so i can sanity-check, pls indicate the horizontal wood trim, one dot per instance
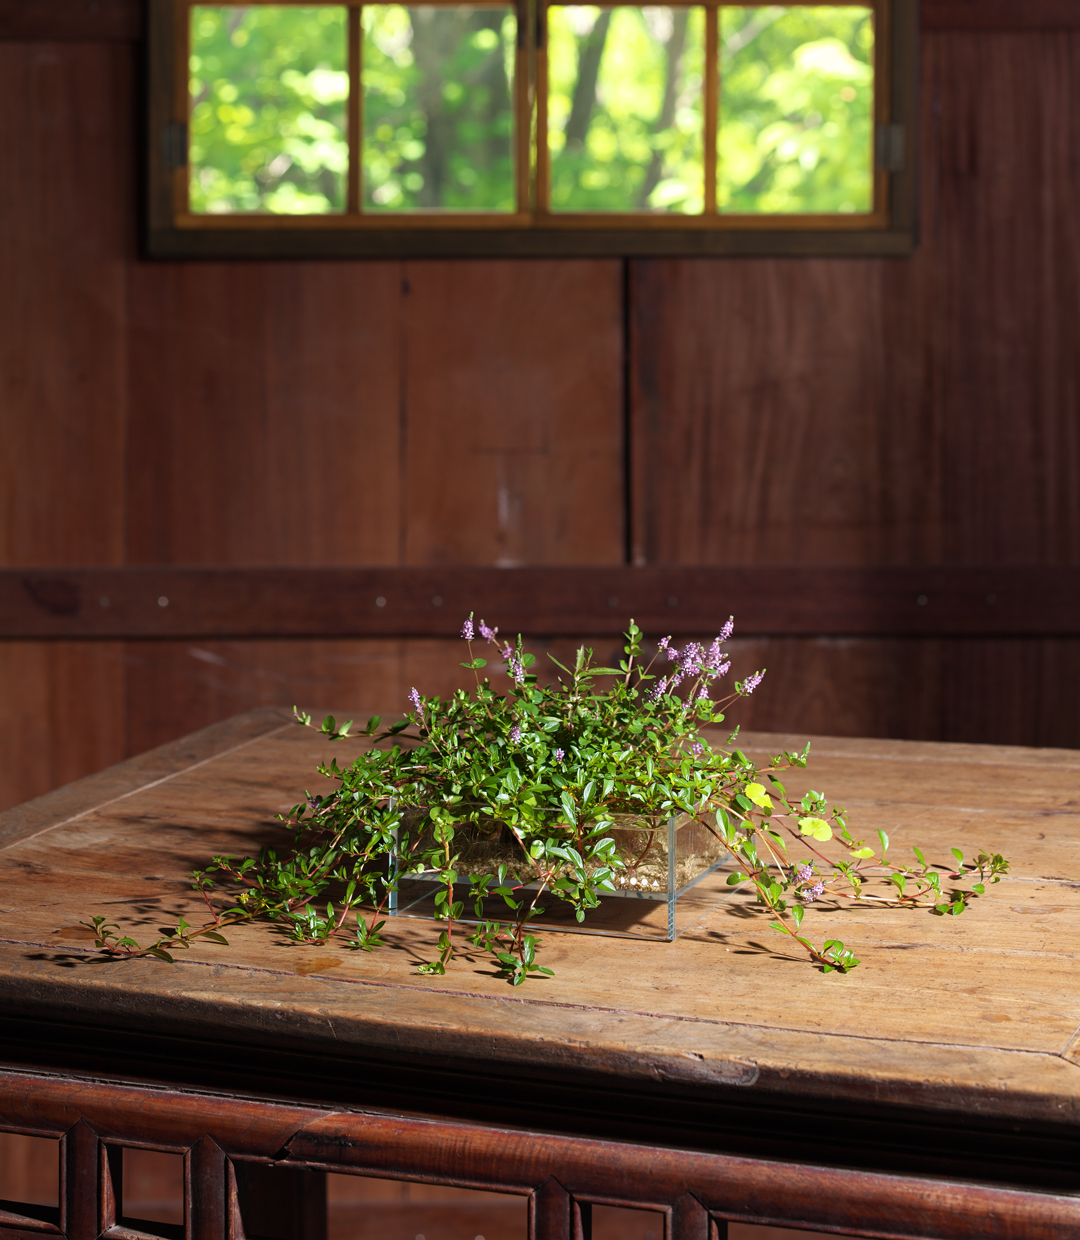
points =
(1000, 15)
(167, 602)
(107, 20)
(313, 240)
(519, 1160)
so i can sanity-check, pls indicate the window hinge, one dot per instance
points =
(174, 145)
(889, 148)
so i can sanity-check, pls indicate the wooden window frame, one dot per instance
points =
(889, 230)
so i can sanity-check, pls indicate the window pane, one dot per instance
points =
(269, 87)
(796, 109)
(439, 108)
(625, 110)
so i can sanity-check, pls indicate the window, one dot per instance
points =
(531, 127)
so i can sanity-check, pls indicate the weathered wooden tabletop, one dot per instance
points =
(958, 1035)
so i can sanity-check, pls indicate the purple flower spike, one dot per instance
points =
(805, 873)
(702, 693)
(727, 630)
(467, 630)
(487, 634)
(515, 734)
(418, 705)
(812, 893)
(559, 755)
(723, 669)
(751, 683)
(516, 669)
(697, 749)
(658, 690)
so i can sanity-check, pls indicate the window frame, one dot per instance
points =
(890, 229)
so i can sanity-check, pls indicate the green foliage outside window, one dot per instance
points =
(438, 108)
(269, 86)
(269, 91)
(796, 110)
(625, 112)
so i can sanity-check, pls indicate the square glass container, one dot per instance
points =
(674, 872)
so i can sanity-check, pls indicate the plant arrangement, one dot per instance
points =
(505, 800)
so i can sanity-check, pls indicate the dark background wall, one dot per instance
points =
(694, 412)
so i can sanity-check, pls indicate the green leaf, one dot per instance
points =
(214, 937)
(884, 843)
(159, 953)
(816, 828)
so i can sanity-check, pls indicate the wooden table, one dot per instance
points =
(934, 1091)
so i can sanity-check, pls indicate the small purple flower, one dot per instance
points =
(697, 749)
(712, 659)
(812, 893)
(690, 660)
(467, 630)
(516, 669)
(559, 755)
(418, 705)
(703, 693)
(727, 630)
(751, 683)
(665, 646)
(723, 669)
(658, 690)
(515, 734)
(487, 634)
(805, 873)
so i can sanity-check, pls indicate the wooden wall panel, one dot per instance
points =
(887, 411)
(65, 231)
(177, 687)
(265, 413)
(61, 714)
(892, 412)
(513, 399)
(65, 234)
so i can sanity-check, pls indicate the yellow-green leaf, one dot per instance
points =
(818, 828)
(757, 794)
(862, 852)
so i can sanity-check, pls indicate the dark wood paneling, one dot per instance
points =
(873, 412)
(401, 602)
(88, 20)
(64, 228)
(513, 414)
(1000, 15)
(62, 714)
(265, 408)
(65, 224)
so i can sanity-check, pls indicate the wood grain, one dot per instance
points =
(513, 451)
(814, 412)
(166, 602)
(66, 20)
(999, 15)
(63, 714)
(63, 239)
(265, 405)
(968, 1078)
